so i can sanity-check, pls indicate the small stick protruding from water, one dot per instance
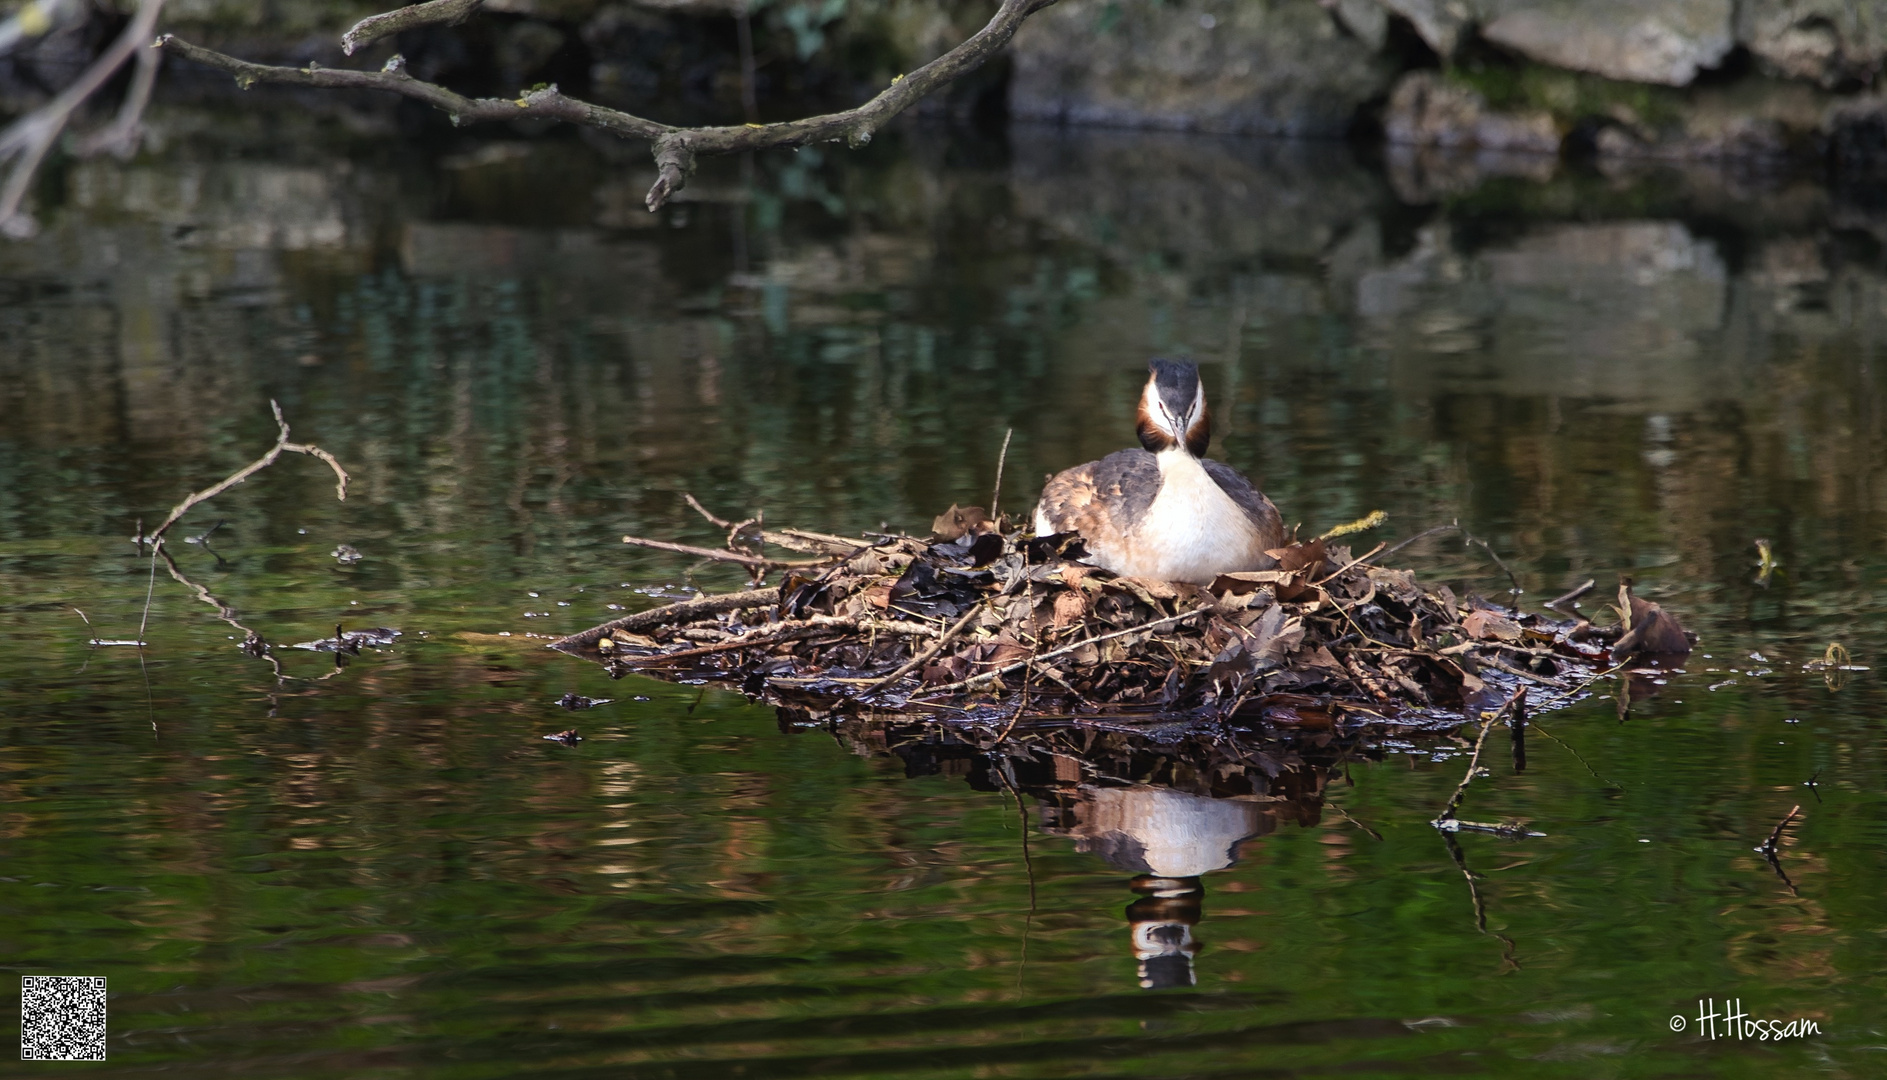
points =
(1769, 849)
(1518, 723)
(995, 495)
(1575, 594)
(1446, 820)
(724, 556)
(1775, 835)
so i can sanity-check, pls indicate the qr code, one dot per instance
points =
(62, 1018)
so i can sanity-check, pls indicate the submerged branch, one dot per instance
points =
(1771, 851)
(252, 642)
(675, 149)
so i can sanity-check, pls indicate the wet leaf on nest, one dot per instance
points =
(1067, 545)
(1307, 558)
(1174, 687)
(997, 652)
(1485, 623)
(1145, 590)
(1399, 585)
(1320, 660)
(947, 670)
(1070, 606)
(919, 580)
(987, 549)
(568, 738)
(1274, 636)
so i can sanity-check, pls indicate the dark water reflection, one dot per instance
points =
(388, 871)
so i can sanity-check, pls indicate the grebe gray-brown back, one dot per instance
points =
(1165, 512)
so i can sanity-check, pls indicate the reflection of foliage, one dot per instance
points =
(807, 21)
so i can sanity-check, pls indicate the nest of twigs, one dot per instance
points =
(993, 623)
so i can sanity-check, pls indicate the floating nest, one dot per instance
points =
(997, 627)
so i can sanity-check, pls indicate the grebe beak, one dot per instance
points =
(1173, 412)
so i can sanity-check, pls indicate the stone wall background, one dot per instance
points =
(1774, 80)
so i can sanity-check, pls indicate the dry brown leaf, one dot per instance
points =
(1399, 584)
(1321, 660)
(1308, 557)
(1071, 606)
(1653, 630)
(954, 522)
(1248, 581)
(1149, 589)
(1483, 623)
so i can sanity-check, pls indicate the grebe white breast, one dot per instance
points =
(1165, 512)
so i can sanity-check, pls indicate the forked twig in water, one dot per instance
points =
(281, 445)
(156, 536)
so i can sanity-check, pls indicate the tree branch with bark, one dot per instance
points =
(675, 149)
(28, 140)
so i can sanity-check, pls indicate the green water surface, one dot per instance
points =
(383, 870)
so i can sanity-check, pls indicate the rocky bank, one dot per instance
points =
(1689, 79)
(1648, 78)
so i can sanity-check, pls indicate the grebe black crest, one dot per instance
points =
(1165, 512)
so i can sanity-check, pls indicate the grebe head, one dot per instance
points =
(1173, 411)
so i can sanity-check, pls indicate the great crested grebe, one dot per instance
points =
(1165, 512)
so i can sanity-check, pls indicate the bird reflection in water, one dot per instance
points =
(1162, 921)
(1168, 811)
